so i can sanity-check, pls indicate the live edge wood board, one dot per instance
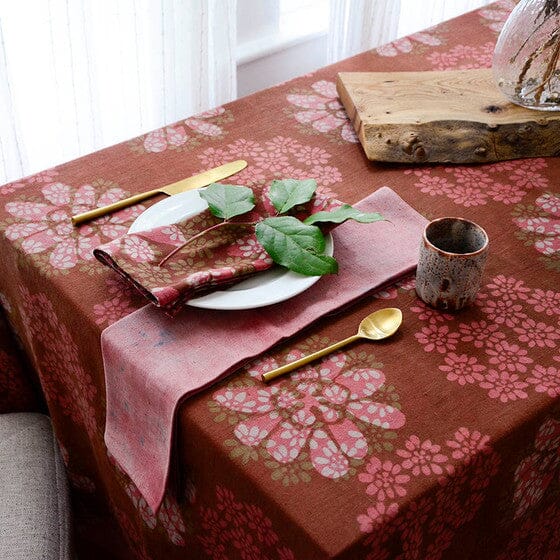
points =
(453, 116)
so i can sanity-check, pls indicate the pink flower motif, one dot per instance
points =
(45, 227)
(407, 284)
(316, 407)
(43, 177)
(213, 157)
(406, 44)
(284, 145)
(471, 176)
(536, 471)
(508, 288)
(463, 57)
(510, 357)
(326, 175)
(158, 140)
(537, 334)
(434, 185)
(545, 301)
(118, 286)
(311, 155)
(271, 161)
(467, 444)
(437, 338)
(428, 314)
(497, 13)
(65, 382)
(546, 380)
(260, 525)
(507, 193)
(252, 175)
(323, 110)
(468, 195)
(247, 147)
(402, 45)
(504, 386)
(462, 369)
(501, 311)
(481, 333)
(200, 124)
(546, 229)
(9, 188)
(232, 525)
(422, 457)
(384, 480)
(377, 514)
(278, 158)
(111, 310)
(528, 176)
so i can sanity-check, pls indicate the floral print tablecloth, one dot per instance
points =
(443, 442)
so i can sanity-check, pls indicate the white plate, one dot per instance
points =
(265, 288)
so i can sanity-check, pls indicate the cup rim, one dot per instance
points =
(450, 253)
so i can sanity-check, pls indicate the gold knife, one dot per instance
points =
(194, 182)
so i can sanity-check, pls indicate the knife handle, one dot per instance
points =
(97, 212)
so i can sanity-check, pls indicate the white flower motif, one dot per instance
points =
(323, 110)
(317, 407)
(46, 226)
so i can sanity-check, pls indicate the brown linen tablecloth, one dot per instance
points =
(148, 375)
(266, 471)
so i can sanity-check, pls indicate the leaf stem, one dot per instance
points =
(200, 234)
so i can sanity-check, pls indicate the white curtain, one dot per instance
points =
(78, 75)
(360, 25)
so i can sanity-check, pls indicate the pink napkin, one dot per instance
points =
(153, 362)
(231, 253)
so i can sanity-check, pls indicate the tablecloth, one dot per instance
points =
(147, 376)
(473, 472)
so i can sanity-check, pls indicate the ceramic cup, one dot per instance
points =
(452, 257)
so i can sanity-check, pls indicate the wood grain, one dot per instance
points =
(453, 116)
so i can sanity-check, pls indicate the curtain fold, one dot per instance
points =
(359, 25)
(79, 75)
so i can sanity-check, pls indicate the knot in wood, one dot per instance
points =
(420, 154)
(409, 142)
(493, 109)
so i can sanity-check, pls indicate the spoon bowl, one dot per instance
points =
(376, 326)
(380, 324)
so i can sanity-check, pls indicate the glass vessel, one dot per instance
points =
(526, 58)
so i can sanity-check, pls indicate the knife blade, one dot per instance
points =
(194, 182)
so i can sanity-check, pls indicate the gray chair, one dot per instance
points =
(35, 521)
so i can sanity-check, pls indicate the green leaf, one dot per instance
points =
(295, 245)
(287, 193)
(227, 201)
(343, 213)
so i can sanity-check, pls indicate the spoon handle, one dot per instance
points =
(270, 375)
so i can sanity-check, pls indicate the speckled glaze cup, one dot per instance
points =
(453, 253)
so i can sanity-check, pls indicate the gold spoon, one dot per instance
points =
(376, 326)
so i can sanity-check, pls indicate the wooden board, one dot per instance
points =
(454, 116)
